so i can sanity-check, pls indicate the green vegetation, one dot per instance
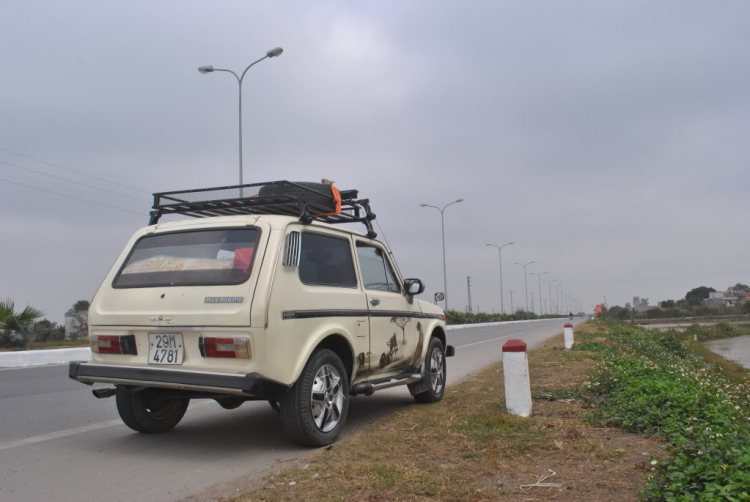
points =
(696, 295)
(15, 327)
(24, 330)
(714, 332)
(455, 317)
(652, 382)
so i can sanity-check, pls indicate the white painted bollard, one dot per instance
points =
(568, 334)
(517, 385)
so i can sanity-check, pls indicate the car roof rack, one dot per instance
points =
(308, 201)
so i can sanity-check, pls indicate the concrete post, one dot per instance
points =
(568, 334)
(517, 385)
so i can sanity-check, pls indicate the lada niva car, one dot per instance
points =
(260, 296)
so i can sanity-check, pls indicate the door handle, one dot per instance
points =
(374, 302)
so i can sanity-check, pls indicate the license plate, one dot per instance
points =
(165, 348)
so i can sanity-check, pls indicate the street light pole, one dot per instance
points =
(525, 282)
(557, 293)
(500, 256)
(539, 276)
(511, 302)
(442, 223)
(549, 285)
(210, 69)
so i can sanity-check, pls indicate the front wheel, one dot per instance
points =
(313, 411)
(434, 372)
(150, 410)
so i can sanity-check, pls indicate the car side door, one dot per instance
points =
(396, 333)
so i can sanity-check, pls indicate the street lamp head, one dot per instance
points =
(423, 205)
(206, 69)
(274, 52)
(460, 200)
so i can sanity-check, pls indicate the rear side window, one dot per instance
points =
(326, 261)
(197, 258)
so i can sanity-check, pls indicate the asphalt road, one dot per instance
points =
(59, 443)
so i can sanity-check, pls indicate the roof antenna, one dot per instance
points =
(388, 245)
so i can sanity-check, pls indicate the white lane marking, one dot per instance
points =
(483, 341)
(71, 432)
(58, 434)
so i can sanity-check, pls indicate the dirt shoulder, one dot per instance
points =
(467, 448)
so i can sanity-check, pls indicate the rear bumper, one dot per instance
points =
(249, 385)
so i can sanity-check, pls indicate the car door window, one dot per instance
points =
(375, 269)
(326, 261)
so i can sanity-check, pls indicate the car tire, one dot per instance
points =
(313, 411)
(434, 373)
(150, 410)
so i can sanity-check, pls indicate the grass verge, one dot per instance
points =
(467, 448)
(654, 382)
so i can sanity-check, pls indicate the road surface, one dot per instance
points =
(59, 443)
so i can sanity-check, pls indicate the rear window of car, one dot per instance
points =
(194, 258)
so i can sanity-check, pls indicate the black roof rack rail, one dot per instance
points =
(308, 201)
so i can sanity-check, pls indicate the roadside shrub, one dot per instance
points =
(455, 317)
(714, 332)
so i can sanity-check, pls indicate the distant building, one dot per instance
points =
(640, 304)
(728, 298)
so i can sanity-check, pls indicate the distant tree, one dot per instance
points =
(667, 304)
(697, 295)
(741, 287)
(15, 327)
(682, 304)
(617, 312)
(81, 306)
(82, 328)
(46, 330)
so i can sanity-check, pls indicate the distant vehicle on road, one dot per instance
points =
(261, 296)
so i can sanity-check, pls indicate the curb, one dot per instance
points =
(23, 358)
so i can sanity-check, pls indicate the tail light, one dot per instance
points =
(235, 348)
(114, 344)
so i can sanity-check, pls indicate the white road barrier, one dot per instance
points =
(568, 335)
(517, 384)
(22, 358)
(497, 323)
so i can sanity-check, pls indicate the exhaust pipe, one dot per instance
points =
(102, 393)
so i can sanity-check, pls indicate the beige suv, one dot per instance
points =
(261, 296)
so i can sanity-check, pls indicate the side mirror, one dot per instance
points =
(413, 286)
(439, 297)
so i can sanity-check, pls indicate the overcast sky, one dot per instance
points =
(608, 140)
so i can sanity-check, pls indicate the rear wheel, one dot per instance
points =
(150, 410)
(434, 373)
(313, 411)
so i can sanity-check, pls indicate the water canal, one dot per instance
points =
(734, 349)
